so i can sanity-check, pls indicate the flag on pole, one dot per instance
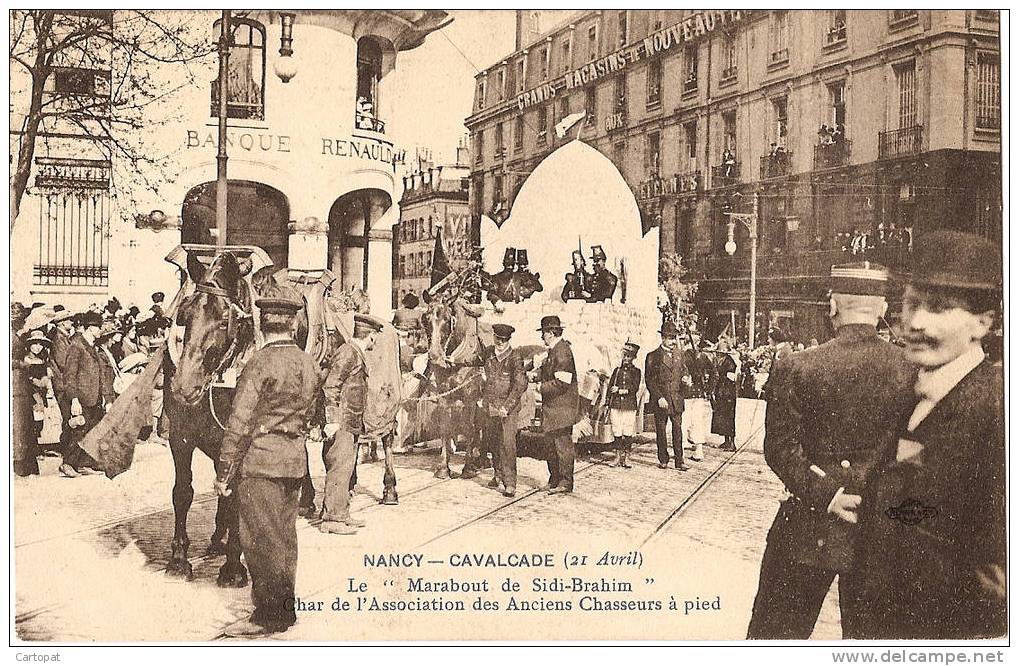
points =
(440, 265)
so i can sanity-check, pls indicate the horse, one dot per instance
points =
(218, 329)
(453, 333)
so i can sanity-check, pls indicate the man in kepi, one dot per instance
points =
(935, 526)
(624, 385)
(346, 392)
(264, 457)
(560, 404)
(832, 410)
(505, 384)
(603, 281)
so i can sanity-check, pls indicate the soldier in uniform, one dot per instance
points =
(346, 392)
(560, 404)
(935, 524)
(504, 385)
(603, 281)
(264, 458)
(624, 385)
(666, 377)
(577, 285)
(832, 411)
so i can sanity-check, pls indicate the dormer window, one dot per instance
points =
(246, 72)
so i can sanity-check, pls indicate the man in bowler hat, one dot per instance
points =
(832, 411)
(936, 522)
(667, 380)
(560, 404)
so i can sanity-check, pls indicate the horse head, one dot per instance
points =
(438, 322)
(216, 323)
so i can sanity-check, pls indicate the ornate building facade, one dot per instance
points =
(857, 130)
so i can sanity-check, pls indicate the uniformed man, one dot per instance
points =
(157, 304)
(263, 457)
(560, 404)
(503, 387)
(577, 282)
(346, 392)
(624, 384)
(831, 411)
(603, 281)
(935, 525)
(668, 383)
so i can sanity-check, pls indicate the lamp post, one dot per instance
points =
(225, 38)
(749, 220)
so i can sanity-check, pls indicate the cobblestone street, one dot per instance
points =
(86, 547)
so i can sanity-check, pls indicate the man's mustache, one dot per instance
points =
(919, 340)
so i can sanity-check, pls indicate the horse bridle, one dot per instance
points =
(233, 315)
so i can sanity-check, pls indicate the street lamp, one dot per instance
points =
(286, 66)
(749, 220)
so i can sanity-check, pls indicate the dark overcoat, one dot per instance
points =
(663, 374)
(346, 389)
(832, 412)
(935, 523)
(83, 373)
(560, 401)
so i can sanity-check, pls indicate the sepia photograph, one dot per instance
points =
(509, 327)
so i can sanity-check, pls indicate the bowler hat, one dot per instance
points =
(502, 331)
(957, 260)
(550, 321)
(669, 330)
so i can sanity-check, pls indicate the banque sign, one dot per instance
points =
(687, 30)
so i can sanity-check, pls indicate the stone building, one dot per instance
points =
(858, 130)
(434, 202)
(312, 168)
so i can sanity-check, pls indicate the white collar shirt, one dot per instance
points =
(932, 386)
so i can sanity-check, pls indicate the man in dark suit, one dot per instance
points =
(832, 410)
(62, 336)
(504, 386)
(560, 404)
(666, 377)
(936, 521)
(83, 388)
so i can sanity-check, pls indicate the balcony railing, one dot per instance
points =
(729, 73)
(829, 155)
(900, 142)
(989, 122)
(779, 56)
(690, 84)
(364, 121)
(836, 34)
(776, 165)
(723, 175)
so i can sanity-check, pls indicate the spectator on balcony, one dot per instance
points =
(838, 134)
(825, 135)
(728, 163)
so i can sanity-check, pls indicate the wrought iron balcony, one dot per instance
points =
(829, 155)
(723, 175)
(777, 165)
(364, 121)
(900, 142)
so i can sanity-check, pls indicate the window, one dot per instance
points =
(652, 153)
(564, 107)
(543, 63)
(81, 81)
(500, 147)
(837, 92)
(567, 54)
(729, 127)
(780, 127)
(591, 105)
(988, 91)
(620, 94)
(654, 84)
(246, 74)
(624, 24)
(690, 64)
(500, 85)
(479, 147)
(729, 68)
(479, 195)
(905, 79)
(619, 155)
(902, 15)
(518, 134)
(521, 74)
(836, 27)
(542, 122)
(592, 43)
(986, 14)
(482, 85)
(779, 37)
(690, 138)
(497, 194)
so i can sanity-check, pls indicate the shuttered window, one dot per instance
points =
(988, 91)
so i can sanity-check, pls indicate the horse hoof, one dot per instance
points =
(216, 548)
(442, 473)
(180, 569)
(232, 576)
(390, 497)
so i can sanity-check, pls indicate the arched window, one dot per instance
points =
(245, 73)
(369, 72)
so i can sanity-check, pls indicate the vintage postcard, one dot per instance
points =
(511, 326)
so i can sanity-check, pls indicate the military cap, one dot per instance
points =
(956, 260)
(862, 278)
(597, 253)
(37, 337)
(669, 330)
(90, 318)
(631, 347)
(366, 323)
(510, 257)
(550, 321)
(522, 259)
(278, 305)
(158, 297)
(502, 331)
